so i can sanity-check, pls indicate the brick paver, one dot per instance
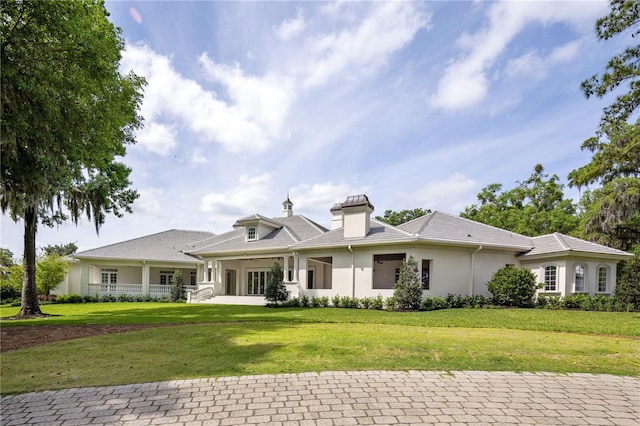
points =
(342, 398)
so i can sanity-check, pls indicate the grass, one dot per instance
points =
(218, 340)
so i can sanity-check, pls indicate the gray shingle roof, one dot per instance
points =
(292, 230)
(163, 246)
(559, 243)
(444, 227)
(379, 233)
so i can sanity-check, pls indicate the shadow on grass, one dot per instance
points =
(149, 355)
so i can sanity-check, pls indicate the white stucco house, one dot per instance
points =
(359, 256)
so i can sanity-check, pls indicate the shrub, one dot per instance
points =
(377, 303)
(316, 302)
(178, 290)
(390, 303)
(107, 298)
(324, 301)
(512, 286)
(366, 302)
(291, 303)
(336, 301)
(603, 303)
(576, 301)
(431, 303)
(90, 299)
(627, 291)
(454, 301)
(349, 302)
(8, 291)
(125, 298)
(303, 302)
(276, 291)
(408, 288)
(69, 298)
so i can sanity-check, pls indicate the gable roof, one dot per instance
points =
(163, 246)
(441, 227)
(290, 230)
(557, 243)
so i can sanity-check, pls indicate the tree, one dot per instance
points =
(60, 249)
(67, 115)
(535, 207)
(275, 291)
(6, 257)
(50, 272)
(613, 215)
(10, 282)
(627, 291)
(178, 290)
(408, 289)
(512, 286)
(396, 218)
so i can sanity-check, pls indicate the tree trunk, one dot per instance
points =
(30, 305)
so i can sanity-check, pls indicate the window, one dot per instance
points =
(310, 276)
(602, 279)
(251, 233)
(165, 277)
(424, 277)
(550, 274)
(192, 278)
(579, 279)
(108, 279)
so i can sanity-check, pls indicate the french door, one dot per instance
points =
(256, 282)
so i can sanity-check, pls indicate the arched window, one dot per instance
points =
(603, 279)
(251, 233)
(550, 278)
(579, 279)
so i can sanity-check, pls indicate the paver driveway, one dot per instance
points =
(342, 398)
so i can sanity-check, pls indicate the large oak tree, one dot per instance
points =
(612, 210)
(67, 116)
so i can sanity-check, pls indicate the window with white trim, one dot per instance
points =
(165, 277)
(251, 233)
(192, 278)
(108, 276)
(550, 278)
(579, 279)
(603, 278)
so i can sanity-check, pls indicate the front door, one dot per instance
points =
(230, 282)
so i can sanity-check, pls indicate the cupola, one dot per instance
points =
(287, 207)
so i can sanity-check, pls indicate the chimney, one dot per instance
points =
(356, 215)
(287, 207)
(336, 216)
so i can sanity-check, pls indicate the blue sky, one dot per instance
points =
(416, 104)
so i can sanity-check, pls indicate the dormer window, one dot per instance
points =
(251, 233)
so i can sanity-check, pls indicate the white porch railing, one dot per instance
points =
(155, 290)
(115, 289)
(199, 295)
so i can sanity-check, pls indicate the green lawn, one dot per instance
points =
(218, 340)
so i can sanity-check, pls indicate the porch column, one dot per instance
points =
(218, 271)
(208, 276)
(295, 267)
(145, 278)
(84, 279)
(286, 268)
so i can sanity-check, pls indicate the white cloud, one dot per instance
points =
(390, 27)
(198, 157)
(158, 137)
(251, 194)
(290, 28)
(465, 81)
(449, 194)
(264, 101)
(171, 96)
(149, 201)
